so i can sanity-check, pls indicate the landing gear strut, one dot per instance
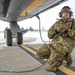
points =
(14, 29)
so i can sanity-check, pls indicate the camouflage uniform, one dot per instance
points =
(62, 34)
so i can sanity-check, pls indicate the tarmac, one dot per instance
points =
(21, 60)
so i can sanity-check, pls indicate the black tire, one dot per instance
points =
(19, 38)
(8, 37)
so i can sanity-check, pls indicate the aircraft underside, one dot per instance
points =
(13, 11)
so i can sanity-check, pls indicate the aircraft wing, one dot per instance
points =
(18, 10)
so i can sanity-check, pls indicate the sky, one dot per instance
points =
(48, 17)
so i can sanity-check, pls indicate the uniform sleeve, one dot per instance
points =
(71, 32)
(50, 35)
(51, 32)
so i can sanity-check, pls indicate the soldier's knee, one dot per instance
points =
(37, 55)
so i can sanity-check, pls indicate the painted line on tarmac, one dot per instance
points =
(58, 72)
(61, 68)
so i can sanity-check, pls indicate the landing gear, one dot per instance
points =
(10, 34)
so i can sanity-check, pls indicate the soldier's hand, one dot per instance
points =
(63, 30)
(51, 35)
(56, 31)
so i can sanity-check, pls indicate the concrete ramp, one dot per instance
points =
(21, 60)
(15, 61)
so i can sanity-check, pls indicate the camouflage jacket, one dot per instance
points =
(63, 39)
(60, 25)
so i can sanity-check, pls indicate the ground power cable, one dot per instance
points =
(45, 42)
(8, 71)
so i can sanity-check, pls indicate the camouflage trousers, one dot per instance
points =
(55, 53)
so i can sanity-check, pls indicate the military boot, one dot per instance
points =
(68, 59)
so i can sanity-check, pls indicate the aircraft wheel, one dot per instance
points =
(19, 38)
(8, 37)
